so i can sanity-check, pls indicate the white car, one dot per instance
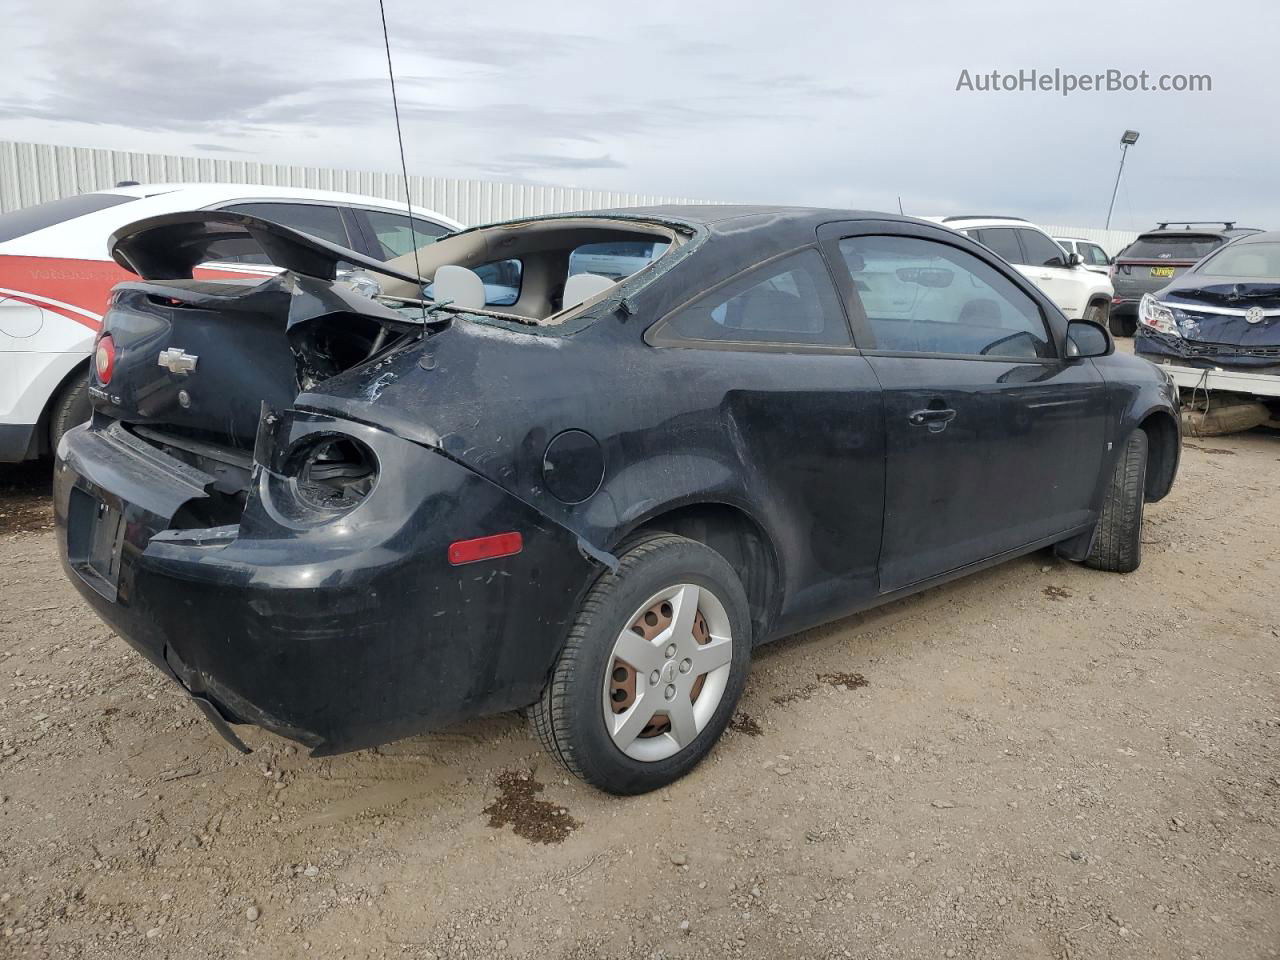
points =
(1078, 292)
(1091, 254)
(56, 275)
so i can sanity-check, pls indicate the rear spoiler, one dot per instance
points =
(169, 247)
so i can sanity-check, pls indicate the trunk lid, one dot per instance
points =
(196, 360)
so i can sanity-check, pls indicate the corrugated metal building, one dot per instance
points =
(32, 173)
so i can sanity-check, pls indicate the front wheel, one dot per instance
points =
(1099, 312)
(652, 669)
(1117, 543)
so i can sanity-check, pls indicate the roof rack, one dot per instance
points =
(984, 216)
(1188, 224)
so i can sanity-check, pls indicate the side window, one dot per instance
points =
(1095, 255)
(1003, 241)
(921, 296)
(790, 300)
(242, 250)
(1040, 250)
(617, 260)
(501, 282)
(392, 234)
(314, 219)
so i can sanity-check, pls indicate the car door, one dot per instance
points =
(1046, 264)
(994, 441)
(803, 409)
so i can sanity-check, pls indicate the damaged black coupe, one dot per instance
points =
(576, 465)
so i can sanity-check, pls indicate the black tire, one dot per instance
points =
(1099, 311)
(1117, 544)
(569, 717)
(1122, 326)
(70, 408)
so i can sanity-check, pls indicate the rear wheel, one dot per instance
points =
(652, 669)
(1117, 544)
(70, 408)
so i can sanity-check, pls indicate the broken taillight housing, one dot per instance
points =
(331, 473)
(104, 358)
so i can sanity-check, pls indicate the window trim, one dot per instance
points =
(657, 334)
(830, 235)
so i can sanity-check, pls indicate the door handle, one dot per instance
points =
(936, 420)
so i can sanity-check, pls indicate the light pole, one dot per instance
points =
(1127, 139)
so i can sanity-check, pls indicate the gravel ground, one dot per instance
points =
(1038, 761)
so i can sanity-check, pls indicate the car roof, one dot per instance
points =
(214, 192)
(85, 237)
(979, 221)
(1261, 236)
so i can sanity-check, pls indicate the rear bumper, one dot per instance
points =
(341, 635)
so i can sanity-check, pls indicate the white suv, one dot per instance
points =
(1078, 291)
(56, 275)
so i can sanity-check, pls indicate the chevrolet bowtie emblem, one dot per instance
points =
(175, 361)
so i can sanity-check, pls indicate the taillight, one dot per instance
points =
(104, 358)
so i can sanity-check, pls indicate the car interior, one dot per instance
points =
(528, 271)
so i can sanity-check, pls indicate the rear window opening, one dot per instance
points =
(19, 223)
(537, 271)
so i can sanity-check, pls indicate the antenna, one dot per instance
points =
(404, 167)
(900, 204)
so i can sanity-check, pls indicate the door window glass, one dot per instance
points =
(393, 234)
(1094, 255)
(1001, 241)
(920, 296)
(314, 219)
(1040, 250)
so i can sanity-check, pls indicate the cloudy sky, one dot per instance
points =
(831, 103)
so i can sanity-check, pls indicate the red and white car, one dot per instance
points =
(56, 276)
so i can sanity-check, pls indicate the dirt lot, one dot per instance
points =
(1043, 761)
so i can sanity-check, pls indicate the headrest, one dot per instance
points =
(458, 286)
(582, 287)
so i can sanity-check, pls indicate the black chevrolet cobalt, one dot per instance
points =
(575, 465)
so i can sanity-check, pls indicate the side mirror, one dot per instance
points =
(1088, 339)
(1074, 260)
